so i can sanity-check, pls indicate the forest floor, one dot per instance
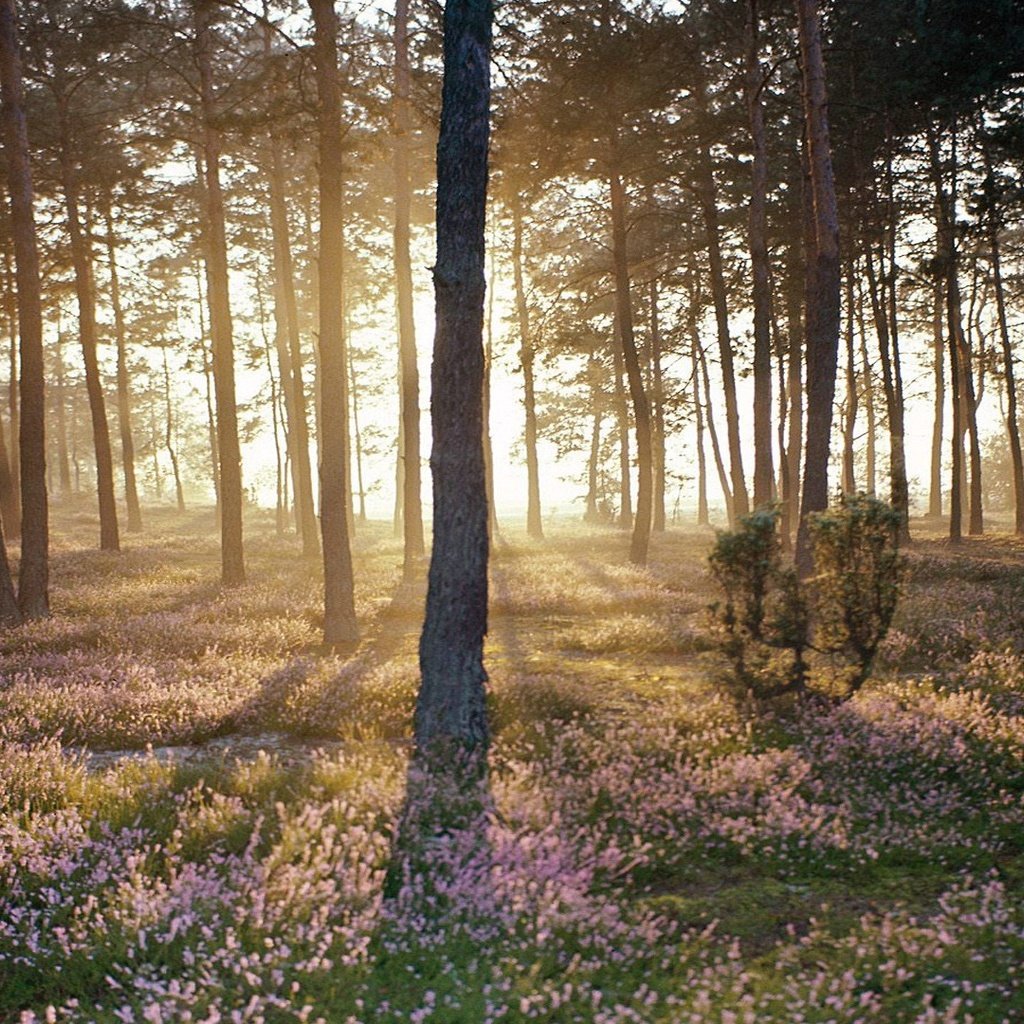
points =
(197, 801)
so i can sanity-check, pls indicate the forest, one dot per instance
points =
(512, 510)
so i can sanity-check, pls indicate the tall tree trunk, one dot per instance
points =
(794, 388)
(702, 463)
(935, 483)
(850, 412)
(218, 292)
(868, 385)
(534, 525)
(492, 513)
(641, 538)
(657, 414)
(11, 312)
(451, 706)
(340, 625)
(716, 448)
(898, 493)
(81, 258)
(622, 418)
(758, 230)
(822, 330)
(354, 392)
(1012, 423)
(63, 458)
(288, 342)
(409, 374)
(211, 417)
(593, 512)
(708, 193)
(33, 581)
(124, 401)
(169, 433)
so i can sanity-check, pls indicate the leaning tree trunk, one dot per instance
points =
(822, 331)
(124, 401)
(761, 278)
(33, 581)
(81, 259)
(641, 538)
(340, 625)
(451, 706)
(408, 374)
(217, 284)
(534, 525)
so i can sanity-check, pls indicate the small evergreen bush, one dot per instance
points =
(771, 621)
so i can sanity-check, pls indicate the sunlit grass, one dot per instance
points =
(655, 850)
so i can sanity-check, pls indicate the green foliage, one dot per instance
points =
(857, 580)
(770, 619)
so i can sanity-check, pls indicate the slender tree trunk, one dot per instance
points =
(124, 401)
(218, 292)
(534, 525)
(63, 458)
(492, 513)
(868, 385)
(280, 497)
(169, 433)
(850, 412)
(340, 625)
(11, 311)
(708, 193)
(794, 387)
(703, 518)
(822, 330)
(81, 258)
(898, 493)
(1012, 423)
(288, 342)
(935, 486)
(33, 581)
(657, 414)
(451, 707)
(10, 496)
(622, 417)
(409, 374)
(641, 538)
(354, 392)
(593, 513)
(764, 471)
(716, 448)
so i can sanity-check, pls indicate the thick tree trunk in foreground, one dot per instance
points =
(408, 370)
(758, 231)
(230, 476)
(340, 625)
(33, 581)
(822, 331)
(124, 401)
(451, 707)
(641, 538)
(534, 524)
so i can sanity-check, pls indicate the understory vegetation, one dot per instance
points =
(649, 849)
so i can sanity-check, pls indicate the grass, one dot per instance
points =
(646, 848)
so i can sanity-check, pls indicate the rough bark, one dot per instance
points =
(822, 324)
(641, 538)
(761, 278)
(534, 524)
(340, 625)
(451, 707)
(33, 580)
(124, 399)
(217, 283)
(409, 374)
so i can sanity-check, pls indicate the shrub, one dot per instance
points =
(770, 619)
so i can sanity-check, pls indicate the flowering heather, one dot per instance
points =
(644, 849)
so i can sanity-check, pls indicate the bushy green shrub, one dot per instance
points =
(771, 620)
